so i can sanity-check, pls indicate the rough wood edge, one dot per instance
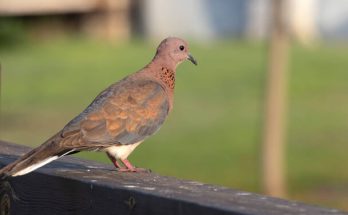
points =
(77, 186)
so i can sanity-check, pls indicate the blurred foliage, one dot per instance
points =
(12, 32)
(214, 133)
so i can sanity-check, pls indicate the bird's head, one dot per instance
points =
(175, 49)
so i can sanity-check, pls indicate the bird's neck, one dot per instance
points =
(167, 76)
(164, 71)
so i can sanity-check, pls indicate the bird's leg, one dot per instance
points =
(126, 167)
(131, 168)
(116, 163)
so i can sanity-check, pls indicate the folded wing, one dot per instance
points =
(125, 113)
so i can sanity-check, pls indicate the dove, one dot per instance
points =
(119, 119)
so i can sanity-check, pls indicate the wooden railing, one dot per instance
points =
(76, 186)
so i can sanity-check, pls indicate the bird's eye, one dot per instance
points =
(181, 48)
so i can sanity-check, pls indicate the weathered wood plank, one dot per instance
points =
(76, 186)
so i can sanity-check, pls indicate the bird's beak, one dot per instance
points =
(192, 59)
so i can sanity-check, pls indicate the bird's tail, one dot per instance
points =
(36, 158)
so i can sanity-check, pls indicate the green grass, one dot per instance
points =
(214, 133)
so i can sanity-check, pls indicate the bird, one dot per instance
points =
(120, 117)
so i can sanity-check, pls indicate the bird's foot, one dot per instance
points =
(130, 168)
(135, 169)
(127, 166)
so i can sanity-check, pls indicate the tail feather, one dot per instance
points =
(30, 167)
(36, 158)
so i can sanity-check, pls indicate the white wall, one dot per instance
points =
(200, 19)
(210, 19)
(332, 19)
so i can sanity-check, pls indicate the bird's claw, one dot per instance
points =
(139, 170)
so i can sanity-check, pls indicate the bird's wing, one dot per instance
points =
(124, 113)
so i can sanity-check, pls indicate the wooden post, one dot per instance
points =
(274, 145)
(110, 22)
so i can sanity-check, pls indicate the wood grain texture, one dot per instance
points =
(75, 186)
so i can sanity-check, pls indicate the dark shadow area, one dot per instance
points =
(12, 32)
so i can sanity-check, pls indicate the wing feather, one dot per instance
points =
(125, 113)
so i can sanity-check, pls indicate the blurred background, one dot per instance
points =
(265, 111)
